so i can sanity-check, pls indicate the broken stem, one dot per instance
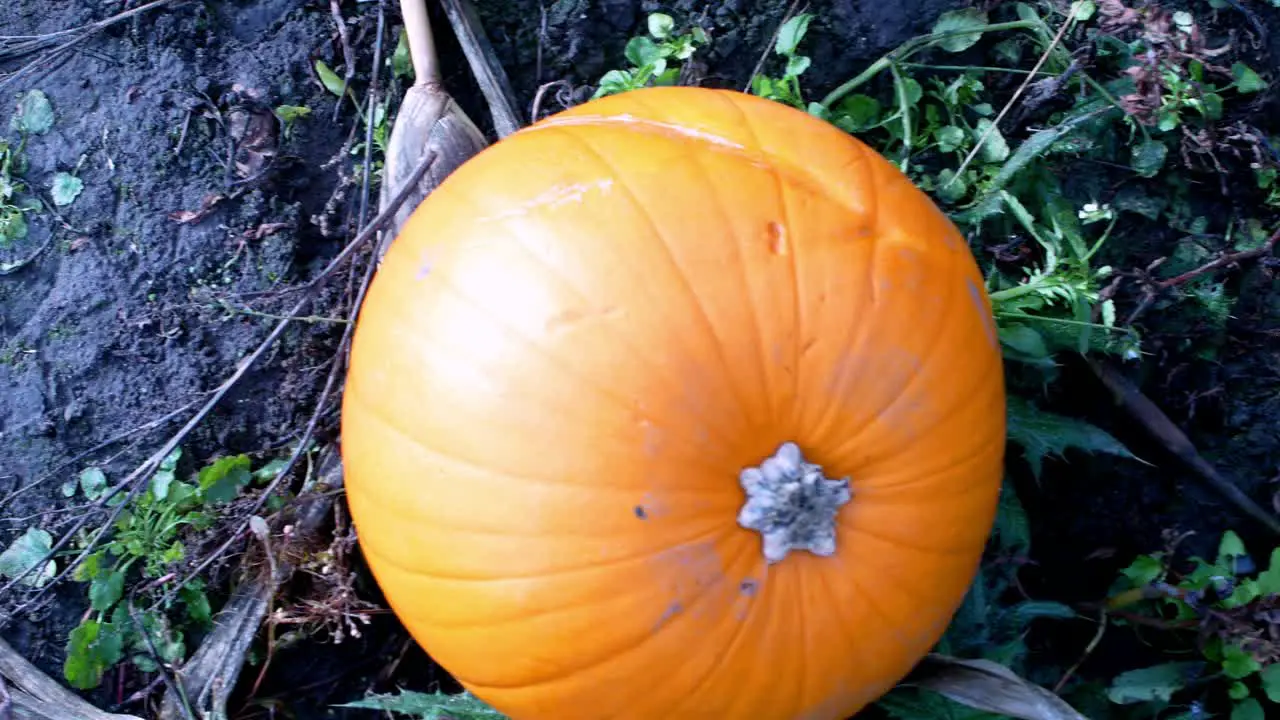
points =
(422, 43)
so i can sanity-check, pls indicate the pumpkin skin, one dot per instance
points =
(577, 344)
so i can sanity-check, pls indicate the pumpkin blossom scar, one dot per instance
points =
(792, 504)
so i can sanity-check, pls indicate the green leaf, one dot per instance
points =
(857, 113)
(430, 706)
(642, 51)
(92, 648)
(106, 590)
(65, 188)
(966, 19)
(950, 138)
(1149, 157)
(1158, 682)
(1269, 579)
(796, 65)
(1237, 664)
(1249, 709)
(289, 114)
(93, 482)
(1238, 691)
(329, 78)
(401, 60)
(661, 25)
(34, 115)
(1086, 10)
(25, 553)
(995, 149)
(1230, 547)
(1144, 570)
(1270, 677)
(1042, 434)
(1247, 81)
(222, 480)
(791, 33)
(197, 603)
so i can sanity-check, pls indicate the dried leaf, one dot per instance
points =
(186, 217)
(990, 687)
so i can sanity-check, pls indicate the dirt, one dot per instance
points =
(118, 322)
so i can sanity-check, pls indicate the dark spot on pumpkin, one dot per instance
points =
(748, 587)
(640, 512)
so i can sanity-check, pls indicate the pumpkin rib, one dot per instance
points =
(928, 356)
(377, 411)
(710, 185)
(533, 345)
(566, 673)
(981, 451)
(797, 298)
(611, 564)
(678, 271)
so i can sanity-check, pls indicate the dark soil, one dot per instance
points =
(116, 324)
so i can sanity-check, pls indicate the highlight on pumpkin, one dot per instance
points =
(513, 360)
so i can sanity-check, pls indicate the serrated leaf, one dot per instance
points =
(34, 114)
(430, 706)
(1158, 682)
(65, 188)
(1043, 434)
(970, 19)
(25, 553)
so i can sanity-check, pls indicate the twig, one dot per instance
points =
(542, 90)
(489, 73)
(1044, 57)
(161, 665)
(1154, 289)
(1159, 426)
(1088, 650)
(348, 59)
(768, 48)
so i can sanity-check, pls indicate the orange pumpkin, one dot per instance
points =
(679, 404)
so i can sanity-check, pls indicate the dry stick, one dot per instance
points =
(489, 73)
(1026, 81)
(1155, 422)
(154, 461)
(348, 59)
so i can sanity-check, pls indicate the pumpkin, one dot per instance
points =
(681, 403)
